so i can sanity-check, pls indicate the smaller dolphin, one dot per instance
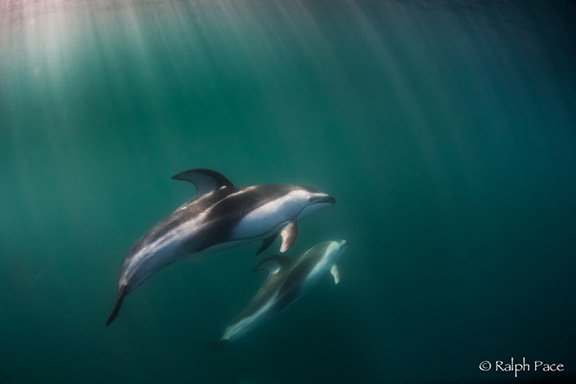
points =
(287, 281)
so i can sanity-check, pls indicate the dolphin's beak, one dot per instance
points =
(325, 200)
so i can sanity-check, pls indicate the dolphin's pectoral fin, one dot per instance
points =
(288, 234)
(266, 243)
(335, 273)
(272, 264)
(116, 309)
(205, 180)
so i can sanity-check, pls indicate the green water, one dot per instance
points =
(445, 130)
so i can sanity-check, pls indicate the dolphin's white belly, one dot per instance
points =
(267, 219)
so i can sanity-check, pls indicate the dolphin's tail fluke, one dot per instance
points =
(216, 345)
(116, 309)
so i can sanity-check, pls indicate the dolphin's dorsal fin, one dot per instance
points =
(266, 243)
(335, 273)
(272, 264)
(288, 234)
(205, 180)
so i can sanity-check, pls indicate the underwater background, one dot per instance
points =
(446, 131)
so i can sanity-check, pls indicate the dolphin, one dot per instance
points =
(287, 281)
(219, 217)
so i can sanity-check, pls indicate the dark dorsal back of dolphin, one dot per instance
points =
(205, 180)
(273, 264)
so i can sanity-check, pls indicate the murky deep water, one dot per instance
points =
(445, 130)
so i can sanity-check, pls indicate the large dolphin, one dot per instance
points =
(220, 216)
(287, 280)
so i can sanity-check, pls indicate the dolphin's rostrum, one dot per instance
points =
(220, 216)
(287, 281)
